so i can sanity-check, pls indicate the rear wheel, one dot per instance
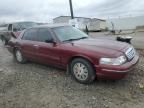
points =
(19, 56)
(82, 70)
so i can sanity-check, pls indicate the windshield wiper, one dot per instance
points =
(75, 39)
(82, 38)
(69, 40)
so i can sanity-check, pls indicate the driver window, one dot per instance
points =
(44, 35)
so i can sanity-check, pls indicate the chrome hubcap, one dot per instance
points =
(18, 56)
(80, 71)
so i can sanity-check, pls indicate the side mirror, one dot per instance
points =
(50, 41)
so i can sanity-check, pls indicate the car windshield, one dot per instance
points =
(69, 33)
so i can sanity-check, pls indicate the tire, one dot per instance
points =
(82, 71)
(19, 56)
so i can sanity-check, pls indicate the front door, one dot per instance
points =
(47, 52)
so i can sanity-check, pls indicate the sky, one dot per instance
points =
(46, 10)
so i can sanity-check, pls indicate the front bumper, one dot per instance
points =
(116, 72)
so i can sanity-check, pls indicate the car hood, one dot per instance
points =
(103, 46)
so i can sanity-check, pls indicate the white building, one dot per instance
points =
(129, 23)
(96, 24)
(92, 24)
(65, 19)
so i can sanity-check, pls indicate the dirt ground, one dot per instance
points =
(33, 85)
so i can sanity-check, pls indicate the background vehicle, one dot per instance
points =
(67, 47)
(13, 30)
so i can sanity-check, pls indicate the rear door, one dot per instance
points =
(48, 52)
(28, 43)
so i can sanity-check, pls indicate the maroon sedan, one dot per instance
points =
(69, 48)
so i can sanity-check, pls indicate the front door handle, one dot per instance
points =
(37, 46)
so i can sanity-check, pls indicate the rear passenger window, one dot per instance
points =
(44, 35)
(30, 34)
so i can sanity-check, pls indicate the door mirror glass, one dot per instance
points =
(49, 41)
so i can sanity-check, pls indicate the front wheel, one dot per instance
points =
(19, 56)
(82, 70)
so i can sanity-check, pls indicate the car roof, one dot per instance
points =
(52, 25)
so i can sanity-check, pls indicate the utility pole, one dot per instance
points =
(71, 9)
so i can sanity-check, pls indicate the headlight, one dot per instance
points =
(113, 61)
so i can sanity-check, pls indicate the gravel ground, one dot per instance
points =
(33, 85)
(137, 41)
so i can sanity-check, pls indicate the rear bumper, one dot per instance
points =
(116, 72)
